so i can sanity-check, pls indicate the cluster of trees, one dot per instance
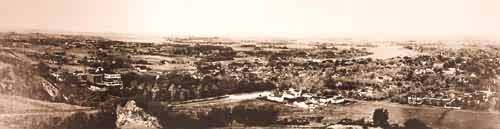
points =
(380, 118)
(339, 53)
(81, 120)
(245, 114)
(47, 39)
(208, 52)
(176, 86)
(298, 53)
(256, 115)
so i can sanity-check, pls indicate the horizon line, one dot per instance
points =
(249, 37)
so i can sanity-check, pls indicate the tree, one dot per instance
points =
(381, 117)
(415, 124)
(255, 114)
(82, 120)
(218, 117)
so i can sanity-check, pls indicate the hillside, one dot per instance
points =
(18, 76)
(28, 100)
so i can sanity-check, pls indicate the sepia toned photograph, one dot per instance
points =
(249, 64)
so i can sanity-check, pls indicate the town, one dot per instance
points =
(283, 79)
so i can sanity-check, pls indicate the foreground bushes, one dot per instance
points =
(245, 114)
(255, 115)
(81, 120)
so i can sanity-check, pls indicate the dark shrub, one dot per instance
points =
(81, 120)
(415, 124)
(380, 117)
(255, 115)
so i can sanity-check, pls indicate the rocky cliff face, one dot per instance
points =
(131, 116)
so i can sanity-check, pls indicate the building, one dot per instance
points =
(107, 80)
(112, 80)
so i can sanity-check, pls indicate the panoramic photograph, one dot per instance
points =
(249, 64)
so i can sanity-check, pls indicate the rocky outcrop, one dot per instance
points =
(132, 117)
(50, 89)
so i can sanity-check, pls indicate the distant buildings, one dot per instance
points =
(298, 98)
(98, 77)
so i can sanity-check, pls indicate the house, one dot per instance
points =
(80, 75)
(108, 80)
(142, 68)
(414, 100)
(112, 80)
(298, 98)
(94, 78)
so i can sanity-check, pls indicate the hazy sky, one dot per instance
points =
(283, 18)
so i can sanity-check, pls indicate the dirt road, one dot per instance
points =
(229, 99)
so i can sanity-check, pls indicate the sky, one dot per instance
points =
(378, 19)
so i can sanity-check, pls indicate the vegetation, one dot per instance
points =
(381, 117)
(81, 120)
(255, 115)
(181, 86)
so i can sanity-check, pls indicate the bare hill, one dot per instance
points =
(18, 76)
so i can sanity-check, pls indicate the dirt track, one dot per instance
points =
(229, 99)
